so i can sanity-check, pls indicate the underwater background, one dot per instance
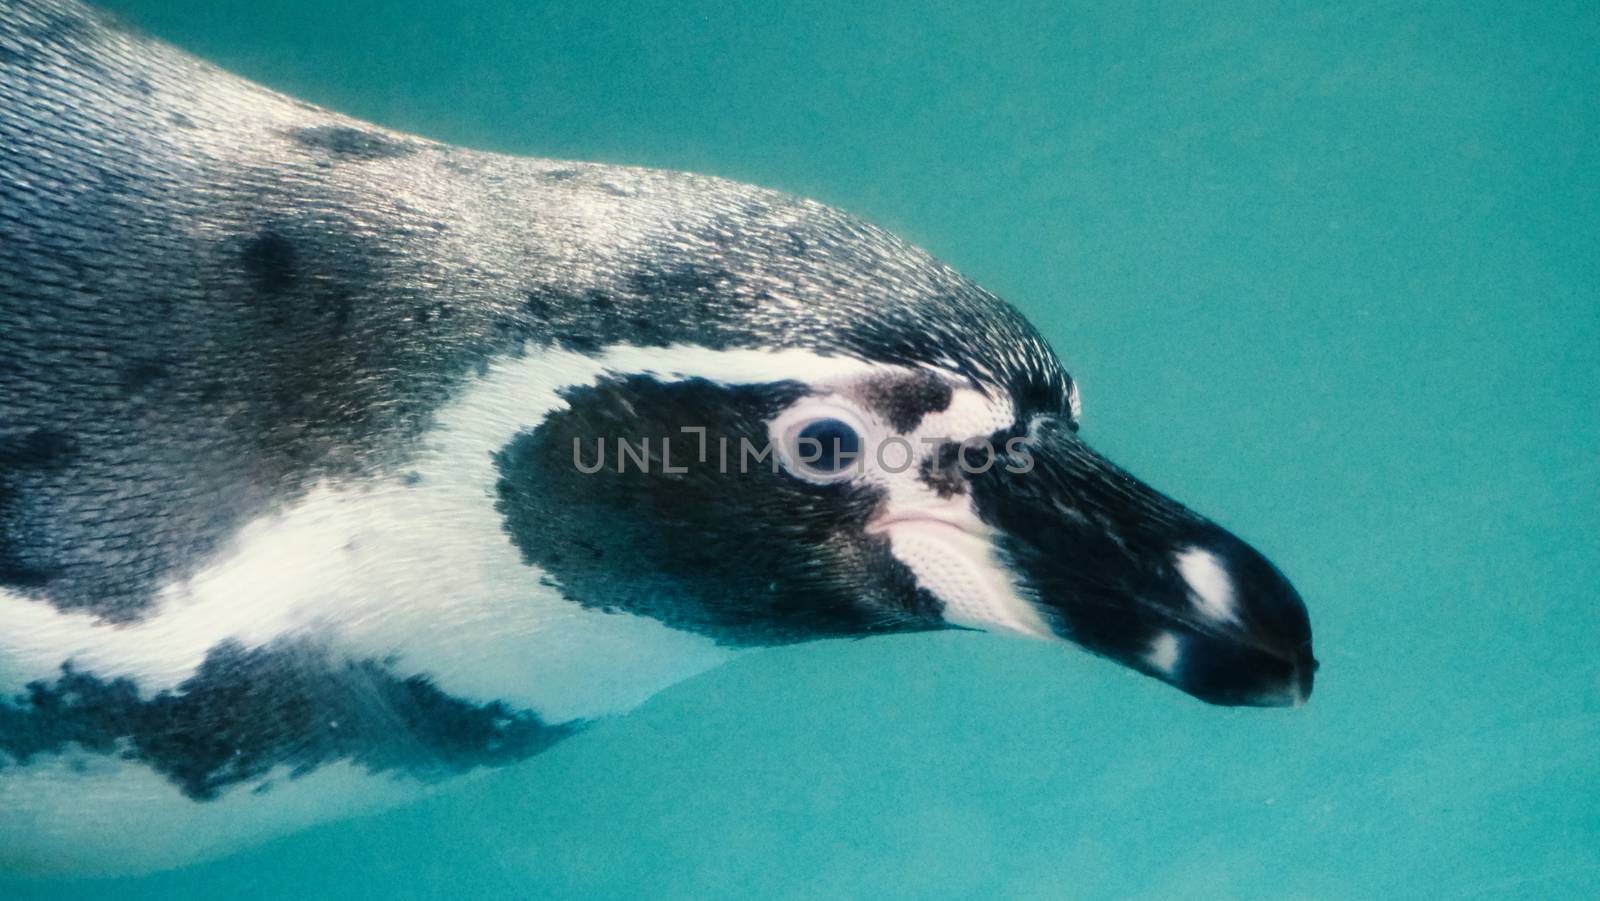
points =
(1331, 276)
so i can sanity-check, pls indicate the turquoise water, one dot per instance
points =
(1333, 278)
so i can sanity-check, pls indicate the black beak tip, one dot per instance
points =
(1305, 669)
(1282, 666)
(1254, 669)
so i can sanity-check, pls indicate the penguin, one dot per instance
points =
(337, 463)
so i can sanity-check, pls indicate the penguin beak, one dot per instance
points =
(1119, 568)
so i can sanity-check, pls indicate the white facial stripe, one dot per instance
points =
(971, 414)
(1164, 653)
(941, 540)
(738, 367)
(1210, 587)
(961, 569)
(422, 573)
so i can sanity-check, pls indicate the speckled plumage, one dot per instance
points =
(285, 501)
(212, 295)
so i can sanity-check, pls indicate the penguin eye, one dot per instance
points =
(826, 447)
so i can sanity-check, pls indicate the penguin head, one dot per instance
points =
(837, 436)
